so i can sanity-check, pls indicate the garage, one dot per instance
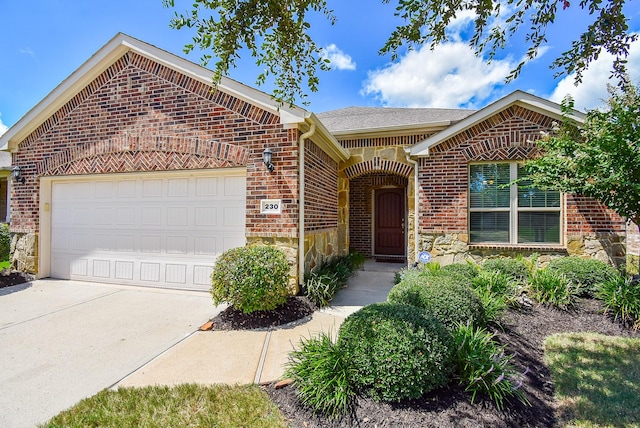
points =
(151, 229)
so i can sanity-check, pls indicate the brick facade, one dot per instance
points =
(139, 115)
(321, 190)
(321, 210)
(443, 193)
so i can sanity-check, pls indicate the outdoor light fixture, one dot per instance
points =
(16, 174)
(267, 155)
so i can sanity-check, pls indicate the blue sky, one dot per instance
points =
(43, 41)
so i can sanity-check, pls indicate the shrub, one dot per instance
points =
(518, 269)
(552, 288)
(356, 259)
(621, 297)
(322, 375)
(251, 278)
(585, 274)
(496, 291)
(397, 351)
(406, 272)
(5, 242)
(482, 366)
(443, 297)
(321, 289)
(467, 270)
(321, 285)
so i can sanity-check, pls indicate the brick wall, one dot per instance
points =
(509, 135)
(321, 190)
(139, 115)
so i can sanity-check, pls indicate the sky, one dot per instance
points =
(42, 42)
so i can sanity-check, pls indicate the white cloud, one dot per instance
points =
(450, 76)
(3, 127)
(592, 92)
(27, 51)
(339, 60)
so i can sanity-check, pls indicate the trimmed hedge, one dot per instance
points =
(585, 274)
(517, 269)
(467, 270)
(444, 297)
(396, 351)
(251, 278)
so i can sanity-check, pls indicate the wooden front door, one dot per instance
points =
(389, 222)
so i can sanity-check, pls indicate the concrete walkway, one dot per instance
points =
(242, 357)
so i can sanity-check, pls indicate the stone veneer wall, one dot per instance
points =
(24, 252)
(455, 248)
(319, 247)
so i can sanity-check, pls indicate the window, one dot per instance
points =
(510, 214)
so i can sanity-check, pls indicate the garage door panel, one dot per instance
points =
(102, 268)
(124, 270)
(126, 189)
(162, 231)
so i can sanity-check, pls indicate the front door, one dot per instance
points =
(389, 222)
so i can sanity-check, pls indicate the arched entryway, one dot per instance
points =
(378, 225)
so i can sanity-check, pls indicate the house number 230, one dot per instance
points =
(271, 206)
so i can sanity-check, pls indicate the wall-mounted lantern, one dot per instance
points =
(267, 156)
(16, 174)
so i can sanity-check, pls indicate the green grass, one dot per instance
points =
(5, 264)
(597, 379)
(180, 406)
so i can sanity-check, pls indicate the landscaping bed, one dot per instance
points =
(523, 331)
(9, 278)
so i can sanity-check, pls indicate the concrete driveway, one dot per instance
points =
(61, 341)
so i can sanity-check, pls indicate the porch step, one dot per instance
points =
(391, 259)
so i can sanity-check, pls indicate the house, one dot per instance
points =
(138, 171)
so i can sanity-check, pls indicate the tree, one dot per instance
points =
(599, 158)
(276, 34)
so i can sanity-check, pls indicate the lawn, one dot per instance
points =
(180, 406)
(5, 264)
(597, 379)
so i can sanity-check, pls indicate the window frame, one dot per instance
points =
(513, 210)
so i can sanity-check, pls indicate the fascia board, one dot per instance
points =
(520, 98)
(391, 131)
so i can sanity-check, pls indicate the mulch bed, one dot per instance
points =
(9, 278)
(297, 308)
(522, 331)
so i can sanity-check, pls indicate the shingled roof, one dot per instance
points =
(360, 119)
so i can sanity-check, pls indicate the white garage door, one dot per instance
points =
(160, 230)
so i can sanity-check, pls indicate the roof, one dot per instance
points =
(290, 116)
(359, 120)
(518, 97)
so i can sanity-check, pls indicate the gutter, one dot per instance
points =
(303, 137)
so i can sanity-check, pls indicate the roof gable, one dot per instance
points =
(516, 98)
(113, 51)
